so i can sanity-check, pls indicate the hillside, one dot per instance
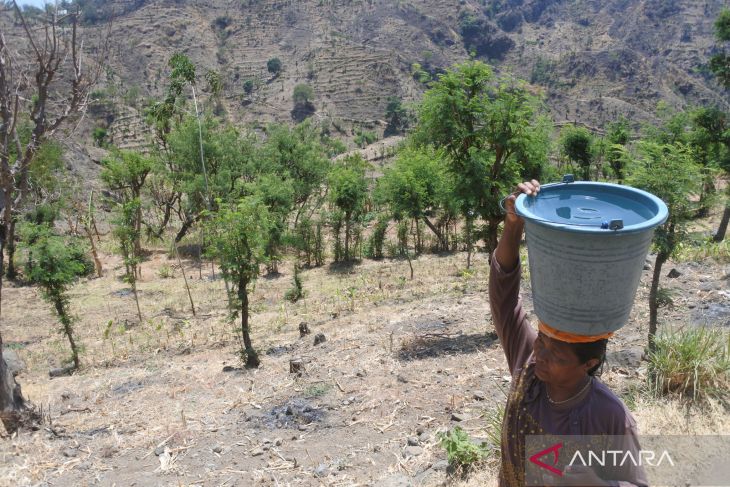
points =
(594, 60)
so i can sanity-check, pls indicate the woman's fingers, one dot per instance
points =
(529, 187)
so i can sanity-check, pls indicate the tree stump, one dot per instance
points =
(296, 366)
(303, 329)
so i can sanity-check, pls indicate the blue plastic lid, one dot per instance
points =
(586, 207)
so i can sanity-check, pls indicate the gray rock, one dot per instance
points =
(413, 441)
(402, 379)
(15, 364)
(70, 452)
(458, 417)
(628, 357)
(159, 450)
(412, 451)
(319, 338)
(440, 466)
(479, 396)
(217, 449)
(674, 273)
(257, 452)
(321, 471)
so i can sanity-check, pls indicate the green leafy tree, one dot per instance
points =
(274, 66)
(303, 94)
(618, 134)
(239, 233)
(54, 265)
(418, 186)
(125, 173)
(396, 117)
(670, 172)
(483, 124)
(577, 144)
(298, 154)
(348, 193)
(126, 233)
(278, 196)
(710, 141)
(720, 66)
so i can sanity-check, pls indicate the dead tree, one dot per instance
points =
(45, 80)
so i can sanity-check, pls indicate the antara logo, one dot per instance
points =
(603, 458)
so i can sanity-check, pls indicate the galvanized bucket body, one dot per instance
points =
(585, 263)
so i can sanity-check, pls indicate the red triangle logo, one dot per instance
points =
(555, 449)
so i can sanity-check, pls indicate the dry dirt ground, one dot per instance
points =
(165, 402)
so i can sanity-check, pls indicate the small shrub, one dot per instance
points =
(461, 452)
(274, 66)
(296, 292)
(317, 390)
(374, 247)
(165, 272)
(692, 362)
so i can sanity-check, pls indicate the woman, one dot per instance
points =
(554, 390)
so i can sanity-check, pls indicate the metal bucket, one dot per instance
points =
(586, 247)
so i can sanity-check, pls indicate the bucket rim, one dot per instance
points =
(662, 212)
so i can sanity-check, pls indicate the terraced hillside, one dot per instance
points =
(594, 60)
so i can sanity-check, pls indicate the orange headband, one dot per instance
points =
(565, 336)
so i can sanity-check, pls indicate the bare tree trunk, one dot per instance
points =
(661, 258)
(347, 237)
(469, 230)
(442, 242)
(252, 358)
(11, 397)
(67, 328)
(492, 236)
(185, 278)
(722, 229)
(94, 253)
(133, 283)
(12, 271)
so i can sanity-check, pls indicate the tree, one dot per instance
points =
(125, 173)
(418, 186)
(54, 265)
(483, 124)
(42, 82)
(576, 143)
(710, 141)
(274, 66)
(668, 171)
(301, 155)
(720, 65)
(303, 94)
(239, 234)
(348, 192)
(618, 134)
(127, 234)
(396, 117)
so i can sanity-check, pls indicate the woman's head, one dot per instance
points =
(561, 362)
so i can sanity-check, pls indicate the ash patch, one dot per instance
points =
(712, 314)
(293, 414)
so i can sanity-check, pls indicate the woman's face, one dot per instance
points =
(556, 363)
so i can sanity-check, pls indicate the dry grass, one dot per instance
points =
(401, 355)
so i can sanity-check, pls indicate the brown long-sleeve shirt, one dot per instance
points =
(597, 411)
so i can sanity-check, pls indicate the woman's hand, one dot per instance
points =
(508, 248)
(530, 188)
